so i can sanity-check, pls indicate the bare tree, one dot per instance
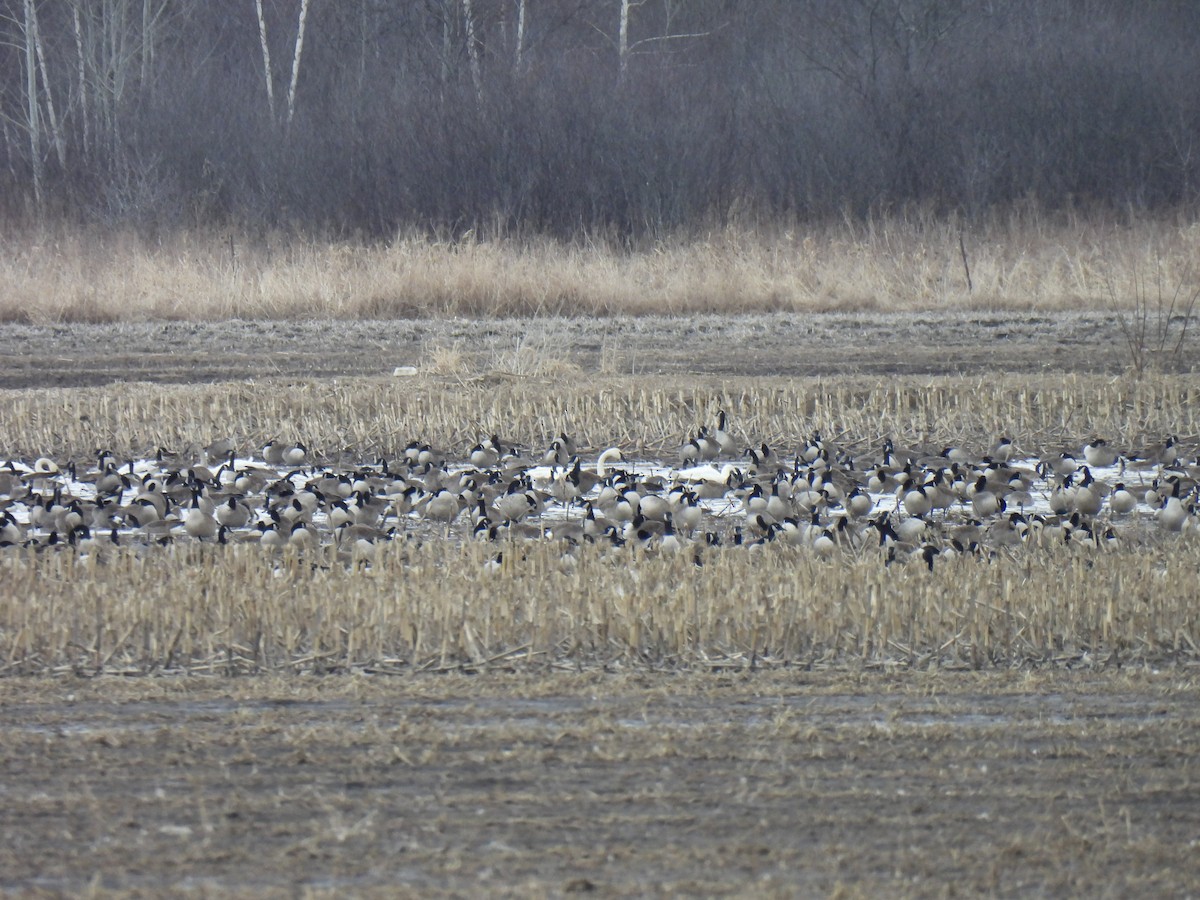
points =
(35, 132)
(473, 51)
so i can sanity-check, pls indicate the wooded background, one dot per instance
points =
(589, 118)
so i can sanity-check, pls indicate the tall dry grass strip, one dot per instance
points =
(368, 416)
(437, 606)
(1021, 260)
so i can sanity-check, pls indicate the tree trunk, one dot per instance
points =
(520, 34)
(56, 137)
(266, 54)
(291, 103)
(473, 51)
(35, 134)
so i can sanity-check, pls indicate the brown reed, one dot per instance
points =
(1020, 260)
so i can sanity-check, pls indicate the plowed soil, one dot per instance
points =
(782, 344)
(715, 784)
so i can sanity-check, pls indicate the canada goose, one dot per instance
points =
(586, 480)
(669, 541)
(1099, 454)
(690, 453)
(272, 453)
(1088, 495)
(442, 506)
(142, 512)
(686, 512)
(419, 454)
(984, 503)
(917, 501)
(556, 454)
(1173, 514)
(762, 457)
(1003, 450)
(198, 523)
(653, 507)
(1062, 464)
(911, 529)
(11, 532)
(726, 446)
(1167, 454)
(825, 544)
(295, 455)
(233, 512)
(303, 536)
(486, 453)
(858, 504)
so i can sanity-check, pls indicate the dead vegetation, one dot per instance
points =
(1020, 260)
(439, 606)
(525, 401)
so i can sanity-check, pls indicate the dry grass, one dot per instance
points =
(379, 416)
(437, 606)
(1023, 261)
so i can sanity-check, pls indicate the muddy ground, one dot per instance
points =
(727, 784)
(779, 344)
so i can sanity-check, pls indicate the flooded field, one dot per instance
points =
(772, 784)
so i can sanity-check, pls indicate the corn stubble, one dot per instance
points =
(365, 416)
(438, 606)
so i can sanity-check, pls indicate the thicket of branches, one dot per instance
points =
(627, 118)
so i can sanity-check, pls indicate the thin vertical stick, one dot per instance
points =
(962, 248)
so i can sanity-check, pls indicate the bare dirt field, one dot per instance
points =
(826, 344)
(786, 783)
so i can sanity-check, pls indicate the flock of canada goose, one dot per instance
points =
(900, 503)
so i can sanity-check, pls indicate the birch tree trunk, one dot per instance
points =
(266, 54)
(623, 42)
(520, 50)
(291, 101)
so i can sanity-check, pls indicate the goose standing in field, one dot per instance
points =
(726, 445)
(272, 453)
(198, 523)
(233, 512)
(1003, 450)
(1099, 454)
(690, 453)
(1122, 501)
(296, 455)
(1088, 495)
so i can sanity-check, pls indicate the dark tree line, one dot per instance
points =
(623, 118)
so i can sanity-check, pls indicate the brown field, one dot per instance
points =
(792, 783)
(770, 724)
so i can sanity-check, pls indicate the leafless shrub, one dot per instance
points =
(1155, 319)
